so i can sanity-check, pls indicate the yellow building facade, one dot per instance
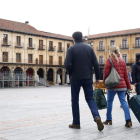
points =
(32, 52)
(128, 41)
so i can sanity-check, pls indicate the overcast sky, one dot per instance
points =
(67, 16)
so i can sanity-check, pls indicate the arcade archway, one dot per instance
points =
(50, 76)
(40, 73)
(59, 72)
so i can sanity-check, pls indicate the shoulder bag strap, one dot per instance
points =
(111, 61)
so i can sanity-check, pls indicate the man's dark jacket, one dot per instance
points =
(136, 72)
(79, 61)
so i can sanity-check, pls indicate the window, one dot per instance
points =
(30, 58)
(51, 60)
(59, 46)
(112, 42)
(40, 44)
(101, 61)
(124, 56)
(40, 59)
(60, 60)
(50, 45)
(18, 57)
(137, 42)
(101, 45)
(68, 45)
(30, 42)
(5, 39)
(5, 56)
(124, 43)
(18, 40)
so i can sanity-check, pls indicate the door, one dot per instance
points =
(30, 42)
(5, 56)
(5, 39)
(36, 60)
(40, 44)
(51, 60)
(60, 60)
(30, 58)
(18, 40)
(40, 59)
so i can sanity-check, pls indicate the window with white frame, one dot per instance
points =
(101, 59)
(124, 43)
(124, 56)
(137, 42)
(112, 42)
(101, 45)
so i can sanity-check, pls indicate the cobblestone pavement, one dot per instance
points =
(44, 113)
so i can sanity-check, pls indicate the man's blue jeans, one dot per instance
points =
(88, 90)
(138, 88)
(110, 98)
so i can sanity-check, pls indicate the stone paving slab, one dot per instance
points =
(44, 113)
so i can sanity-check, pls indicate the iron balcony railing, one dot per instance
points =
(41, 47)
(19, 45)
(60, 49)
(5, 43)
(31, 46)
(100, 48)
(51, 48)
(136, 45)
(124, 46)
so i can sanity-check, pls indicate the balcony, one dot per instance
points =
(19, 45)
(6, 43)
(124, 46)
(60, 50)
(30, 46)
(136, 45)
(100, 48)
(41, 47)
(51, 49)
(40, 62)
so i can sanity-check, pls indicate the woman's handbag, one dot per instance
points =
(113, 78)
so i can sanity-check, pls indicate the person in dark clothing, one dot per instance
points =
(79, 61)
(136, 74)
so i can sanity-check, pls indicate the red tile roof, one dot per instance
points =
(24, 28)
(116, 33)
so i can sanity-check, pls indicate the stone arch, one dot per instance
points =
(18, 70)
(50, 75)
(30, 71)
(5, 69)
(41, 72)
(60, 72)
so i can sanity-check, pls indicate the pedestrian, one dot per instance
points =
(79, 61)
(129, 74)
(136, 74)
(120, 66)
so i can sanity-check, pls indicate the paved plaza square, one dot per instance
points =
(44, 113)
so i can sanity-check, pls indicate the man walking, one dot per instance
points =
(136, 74)
(79, 61)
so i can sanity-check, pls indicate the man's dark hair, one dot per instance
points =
(77, 36)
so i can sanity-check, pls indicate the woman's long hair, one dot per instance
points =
(113, 50)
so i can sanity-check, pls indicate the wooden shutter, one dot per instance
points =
(60, 60)
(29, 58)
(41, 44)
(5, 56)
(51, 60)
(18, 40)
(40, 59)
(30, 42)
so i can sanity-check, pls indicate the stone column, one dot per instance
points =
(63, 77)
(54, 77)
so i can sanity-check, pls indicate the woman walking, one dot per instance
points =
(120, 89)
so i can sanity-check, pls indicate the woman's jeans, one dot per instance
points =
(110, 97)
